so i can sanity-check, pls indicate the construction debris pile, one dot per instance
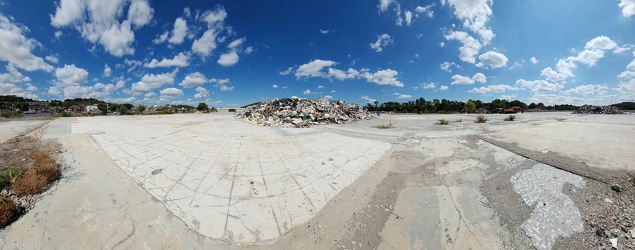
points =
(300, 112)
(603, 110)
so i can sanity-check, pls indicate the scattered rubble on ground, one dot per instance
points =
(590, 109)
(300, 112)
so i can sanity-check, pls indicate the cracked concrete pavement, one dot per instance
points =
(211, 181)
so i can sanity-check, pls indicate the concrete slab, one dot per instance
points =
(599, 141)
(12, 128)
(229, 180)
(212, 182)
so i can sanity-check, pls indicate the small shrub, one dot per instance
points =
(10, 177)
(442, 122)
(7, 208)
(31, 183)
(459, 120)
(481, 119)
(510, 118)
(65, 114)
(384, 126)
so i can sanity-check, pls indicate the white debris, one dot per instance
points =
(299, 112)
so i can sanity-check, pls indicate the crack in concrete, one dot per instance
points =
(460, 217)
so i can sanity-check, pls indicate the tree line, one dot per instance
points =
(422, 105)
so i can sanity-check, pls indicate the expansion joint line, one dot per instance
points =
(521, 154)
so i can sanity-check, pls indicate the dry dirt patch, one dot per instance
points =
(27, 168)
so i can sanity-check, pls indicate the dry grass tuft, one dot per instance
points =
(36, 180)
(31, 183)
(7, 208)
(45, 165)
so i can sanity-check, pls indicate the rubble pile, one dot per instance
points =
(300, 112)
(605, 110)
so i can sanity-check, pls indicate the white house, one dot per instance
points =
(92, 109)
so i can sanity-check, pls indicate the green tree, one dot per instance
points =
(103, 107)
(470, 106)
(22, 106)
(141, 108)
(123, 110)
(202, 106)
(113, 107)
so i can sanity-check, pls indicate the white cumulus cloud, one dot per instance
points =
(228, 59)
(236, 43)
(446, 66)
(179, 31)
(383, 4)
(408, 15)
(171, 93)
(71, 75)
(153, 81)
(539, 86)
(52, 59)
(313, 68)
(368, 99)
(193, 79)
(401, 96)
(382, 41)
(16, 49)
(107, 71)
(201, 92)
(204, 45)
(497, 88)
(429, 85)
(533, 60)
(180, 60)
(475, 15)
(140, 12)
(426, 10)
(98, 22)
(492, 59)
(383, 77)
(587, 90)
(601, 42)
(628, 7)
(470, 47)
(479, 77)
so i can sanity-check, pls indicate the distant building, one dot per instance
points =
(92, 109)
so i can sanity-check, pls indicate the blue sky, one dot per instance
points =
(231, 53)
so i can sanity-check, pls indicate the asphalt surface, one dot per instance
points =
(211, 181)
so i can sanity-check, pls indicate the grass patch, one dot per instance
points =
(510, 118)
(481, 119)
(8, 114)
(443, 122)
(7, 208)
(10, 177)
(384, 126)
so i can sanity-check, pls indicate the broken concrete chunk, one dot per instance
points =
(299, 112)
(613, 243)
(605, 110)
